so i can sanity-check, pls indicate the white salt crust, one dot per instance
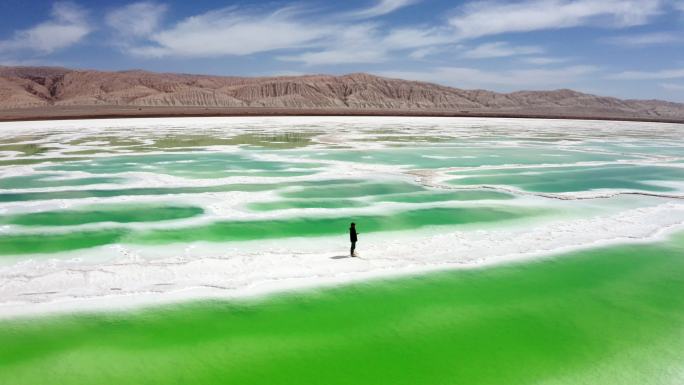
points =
(125, 276)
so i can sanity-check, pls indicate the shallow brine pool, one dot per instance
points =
(560, 244)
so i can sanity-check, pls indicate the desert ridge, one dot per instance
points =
(51, 92)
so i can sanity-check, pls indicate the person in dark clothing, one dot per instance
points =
(353, 238)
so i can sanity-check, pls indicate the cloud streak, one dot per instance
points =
(672, 86)
(137, 19)
(369, 43)
(650, 75)
(382, 7)
(484, 18)
(354, 44)
(232, 31)
(334, 39)
(500, 49)
(467, 77)
(301, 38)
(66, 27)
(645, 39)
(543, 60)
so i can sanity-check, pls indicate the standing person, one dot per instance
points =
(352, 238)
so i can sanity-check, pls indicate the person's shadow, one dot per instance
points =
(340, 257)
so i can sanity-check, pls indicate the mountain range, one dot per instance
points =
(53, 92)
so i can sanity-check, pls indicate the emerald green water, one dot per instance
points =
(355, 190)
(305, 204)
(120, 213)
(319, 226)
(608, 316)
(19, 244)
(235, 230)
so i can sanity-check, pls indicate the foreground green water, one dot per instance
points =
(611, 315)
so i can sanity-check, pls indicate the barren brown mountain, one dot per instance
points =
(47, 92)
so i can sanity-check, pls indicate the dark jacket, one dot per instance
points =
(352, 234)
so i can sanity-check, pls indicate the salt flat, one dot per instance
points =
(108, 214)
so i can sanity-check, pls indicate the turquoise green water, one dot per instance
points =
(436, 157)
(52, 180)
(193, 165)
(426, 197)
(322, 187)
(335, 198)
(607, 316)
(573, 179)
(38, 160)
(142, 191)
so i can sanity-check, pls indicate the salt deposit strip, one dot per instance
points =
(45, 286)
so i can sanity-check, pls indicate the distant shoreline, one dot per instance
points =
(114, 112)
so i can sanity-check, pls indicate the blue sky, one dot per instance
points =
(627, 48)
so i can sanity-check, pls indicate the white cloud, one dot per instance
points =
(650, 75)
(543, 60)
(382, 7)
(137, 19)
(66, 27)
(354, 44)
(466, 77)
(500, 49)
(298, 35)
(331, 39)
(672, 86)
(231, 31)
(485, 18)
(404, 38)
(337, 56)
(368, 43)
(645, 39)
(422, 53)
